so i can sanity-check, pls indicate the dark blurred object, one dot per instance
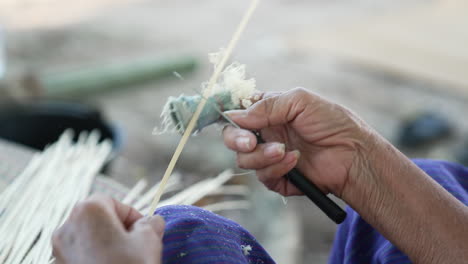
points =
(462, 154)
(2, 54)
(37, 125)
(95, 79)
(423, 129)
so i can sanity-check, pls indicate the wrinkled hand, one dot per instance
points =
(102, 230)
(303, 130)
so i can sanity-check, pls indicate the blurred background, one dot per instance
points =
(400, 65)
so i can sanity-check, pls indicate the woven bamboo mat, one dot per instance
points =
(14, 158)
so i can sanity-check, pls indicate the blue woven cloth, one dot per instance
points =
(357, 242)
(194, 235)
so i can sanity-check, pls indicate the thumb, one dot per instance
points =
(273, 110)
(155, 222)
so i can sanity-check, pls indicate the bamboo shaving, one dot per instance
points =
(144, 200)
(135, 191)
(233, 79)
(195, 192)
(199, 190)
(206, 93)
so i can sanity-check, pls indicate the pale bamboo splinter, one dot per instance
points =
(206, 93)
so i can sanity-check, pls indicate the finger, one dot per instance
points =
(57, 244)
(58, 260)
(147, 234)
(155, 223)
(126, 214)
(239, 140)
(283, 186)
(263, 156)
(274, 173)
(123, 213)
(273, 109)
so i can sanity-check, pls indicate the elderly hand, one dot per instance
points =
(322, 139)
(102, 230)
(342, 155)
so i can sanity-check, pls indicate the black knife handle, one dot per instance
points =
(327, 205)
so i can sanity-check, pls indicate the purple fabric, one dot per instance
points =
(357, 242)
(194, 235)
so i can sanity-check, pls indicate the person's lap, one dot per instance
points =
(194, 235)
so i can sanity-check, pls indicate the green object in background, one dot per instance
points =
(117, 75)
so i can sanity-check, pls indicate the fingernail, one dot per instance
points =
(243, 142)
(236, 113)
(274, 150)
(157, 223)
(293, 157)
(257, 96)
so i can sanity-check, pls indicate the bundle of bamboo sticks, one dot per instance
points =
(40, 199)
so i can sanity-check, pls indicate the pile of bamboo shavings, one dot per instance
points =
(196, 192)
(206, 93)
(191, 195)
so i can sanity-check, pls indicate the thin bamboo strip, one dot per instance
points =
(199, 190)
(202, 103)
(144, 200)
(195, 192)
(12, 190)
(135, 191)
